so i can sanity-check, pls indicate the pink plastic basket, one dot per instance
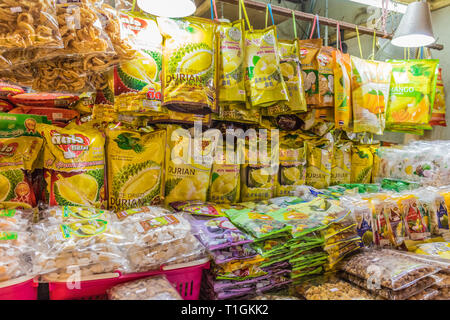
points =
(24, 288)
(186, 278)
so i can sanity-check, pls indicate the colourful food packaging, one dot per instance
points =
(137, 83)
(383, 236)
(341, 165)
(362, 164)
(187, 174)
(43, 99)
(231, 74)
(443, 212)
(238, 113)
(74, 161)
(412, 92)
(370, 94)
(7, 89)
(14, 125)
(319, 155)
(292, 169)
(52, 114)
(5, 106)
(366, 226)
(19, 156)
(309, 49)
(135, 165)
(190, 64)
(181, 117)
(265, 84)
(438, 115)
(342, 90)
(395, 218)
(291, 71)
(326, 62)
(416, 229)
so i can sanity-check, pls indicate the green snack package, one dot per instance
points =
(14, 125)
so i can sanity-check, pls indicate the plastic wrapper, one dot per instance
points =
(388, 270)
(337, 290)
(274, 297)
(341, 164)
(319, 157)
(326, 62)
(43, 99)
(22, 75)
(29, 24)
(88, 247)
(8, 89)
(236, 252)
(15, 219)
(71, 214)
(137, 214)
(342, 91)
(438, 113)
(16, 254)
(152, 288)
(427, 294)
(309, 50)
(238, 113)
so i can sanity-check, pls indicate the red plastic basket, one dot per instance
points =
(186, 278)
(24, 288)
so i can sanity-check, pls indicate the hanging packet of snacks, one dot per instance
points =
(412, 93)
(19, 156)
(231, 72)
(190, 64)
(319, 157)
(326, 62)
(342, 90)
(74, 161)
(135, 165)
(370, 94)
(362, 164)
(341, 165)
(438, 115)
(291, 72)
(292, 169)
(187, 173)
(137, 83)
(265, 84)
(309, 49)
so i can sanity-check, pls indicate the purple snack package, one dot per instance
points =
(237, 252)
(219, 233)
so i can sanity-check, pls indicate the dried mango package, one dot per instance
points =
(292, 169)
(137, 83)
(135, 165)
(326, 62)
(74, 161)
(309, 49)
(342, 90)
(19, 156)
(231, 74)
(341, 165)
(412, 92)
(319, 155)
(291, 72)
(190, 64)
(362, 164)
(370, 94)
(265, 84)
(187, 176)
(438, 115)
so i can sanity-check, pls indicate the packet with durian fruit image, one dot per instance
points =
(265, 85)
(135, 165)
(362, 164)
(74, 162)
(319, 155)
(325, 59)
(308, 50)
(238, 112)
(231, 72)
(342, 90)
(190, 70)
(342, 163)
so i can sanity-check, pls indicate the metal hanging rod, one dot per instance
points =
(322, 20)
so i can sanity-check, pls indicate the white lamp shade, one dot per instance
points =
(415, 29)
(168, 8)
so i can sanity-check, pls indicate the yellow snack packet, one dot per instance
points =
(238, 113)
(319, 154)
(309, 50)
(265, 85)
(362, 164)
(342, 90)
(231, 75)
(74, 162)
(326, 62)
(438, 115)
(190, 64)
(135, 165)
(342, 163)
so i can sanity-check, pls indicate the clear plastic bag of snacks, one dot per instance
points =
(16, 254)
(337, 290)
(152, 288)
(15, 219)
(71, 214)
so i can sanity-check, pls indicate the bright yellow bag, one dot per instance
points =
(319, 155)
(308, 50)
(342, 91)
(362, 164)
(342, 163)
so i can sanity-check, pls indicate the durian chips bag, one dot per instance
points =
(325, 59)
(362, 164)
(413, 89)
(19, 156)
(309, 49)
(342, 163)
(135, 165)
(74, 162)
(265, 85)
(190, 64)
(319, 157)
(370, 94)
(187, 173)
(342, 90)
(231, 75)
(137, 83)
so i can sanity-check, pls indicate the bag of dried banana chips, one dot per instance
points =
(135, 166)
(309, 49)
(190, 64)
(231, 74)
(74, 162)
(265, 85)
